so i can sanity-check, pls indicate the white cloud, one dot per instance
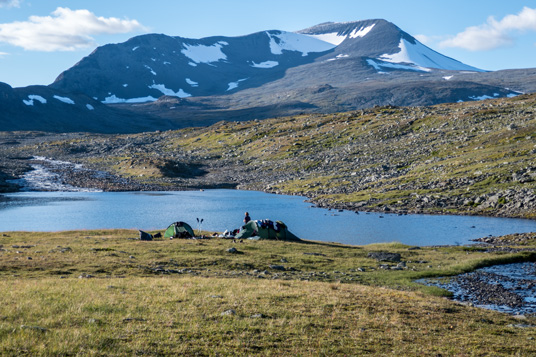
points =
(10, 3)
(423, 39)
(65, 30)
(493, 33)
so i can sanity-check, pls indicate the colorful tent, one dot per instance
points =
(266, 229)
(179, 230)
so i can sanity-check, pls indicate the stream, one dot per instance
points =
(509, 288)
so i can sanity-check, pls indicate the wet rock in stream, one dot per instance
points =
(509, 288)
(486, 289)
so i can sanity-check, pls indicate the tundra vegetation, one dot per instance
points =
(463, 158)
(101, 293)
(108, 293)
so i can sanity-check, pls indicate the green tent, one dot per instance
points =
(179, 230)
(266, 229)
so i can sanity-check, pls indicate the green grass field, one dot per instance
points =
(103, 293)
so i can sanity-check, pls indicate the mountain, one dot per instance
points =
(146, 67)
(42, 108)
(383, 45)
(327, 68)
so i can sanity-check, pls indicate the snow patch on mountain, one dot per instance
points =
(90, 107)
(265, 64)
(33, 97)
(151, 70)
(362, 32)
(204, 54)
(166, 91)
(113, 99)
(378, 65)
(483, 97)
(289, 41)
(192, 83)
(64, 99)
(336, 38)
(422, 56)
(338, 57)
(233, 85)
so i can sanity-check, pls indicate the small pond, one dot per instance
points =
(224, 210)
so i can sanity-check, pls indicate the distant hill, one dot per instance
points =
(154, 81)
(42, 108)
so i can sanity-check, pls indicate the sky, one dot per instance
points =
(40, 39)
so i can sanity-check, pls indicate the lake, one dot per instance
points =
(224, 210)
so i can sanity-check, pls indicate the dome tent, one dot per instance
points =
(179, 230)
(266, 229)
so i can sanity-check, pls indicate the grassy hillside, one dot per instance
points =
(470, 158)
(101, 293)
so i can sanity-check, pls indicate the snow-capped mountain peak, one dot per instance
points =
(148, 67)
(384, 45)
(424, 58)
(290, 41)
(337, 37)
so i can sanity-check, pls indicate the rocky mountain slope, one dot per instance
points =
(42, 108)
(149, 66)
(327, 68)
(471, 158)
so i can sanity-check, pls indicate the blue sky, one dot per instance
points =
(39, 39)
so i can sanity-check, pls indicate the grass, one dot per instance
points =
(101, 293)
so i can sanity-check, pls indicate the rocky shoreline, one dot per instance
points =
(219, 175)
(81, 178)
(509, 288)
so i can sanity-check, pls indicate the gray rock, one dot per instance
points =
(258, 316)
(385, 256)
(277, 267)
(34, 328)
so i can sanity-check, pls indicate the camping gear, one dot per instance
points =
(179, 230)
(266, 229)
(199, 223)
(145, 235)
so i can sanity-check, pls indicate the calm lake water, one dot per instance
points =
(224, 209)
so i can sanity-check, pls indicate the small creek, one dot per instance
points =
(509, 288)
(43, 178)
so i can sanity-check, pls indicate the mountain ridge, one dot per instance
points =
(42, 108)
(325, 68)
(148, 66)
